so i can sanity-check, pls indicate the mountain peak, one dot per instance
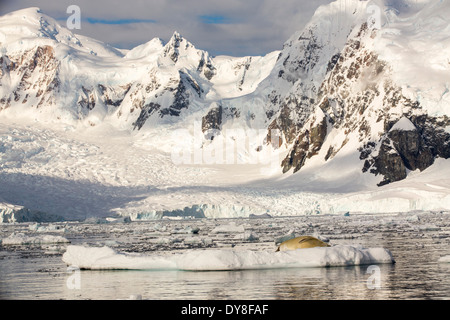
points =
(33, 19)
(176, 36)
(26, 12)
(176, 40)
(177, 45)
(146, 49)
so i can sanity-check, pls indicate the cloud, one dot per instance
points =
(234, 27)
(117, 21)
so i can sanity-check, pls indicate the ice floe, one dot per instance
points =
(105, 258)
(22, 239)
(228, 228)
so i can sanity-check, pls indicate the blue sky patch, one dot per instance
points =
(215, 19)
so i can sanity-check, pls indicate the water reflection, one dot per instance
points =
(300, 284)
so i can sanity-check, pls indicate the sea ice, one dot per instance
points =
(22, 239)
(228, 228)
(105, 258)
(37, 227)
(444, 259)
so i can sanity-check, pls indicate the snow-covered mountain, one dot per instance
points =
(357, 99)
(46, 67)
(365, 81)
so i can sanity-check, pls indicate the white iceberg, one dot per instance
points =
(22, 239)
(105, 258)
(445, 259)
(10, 213)
(228, 228)
(37, 227)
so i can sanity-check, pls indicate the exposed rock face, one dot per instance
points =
(212, 122)
(306, 146)
(146, 112)
(403, 150)
(389, 163)
(172, 50)
(299, 68)
(359, 98)
(37, 70)
(180, 101)
(432, 130)
(411, 147)
(206, 67)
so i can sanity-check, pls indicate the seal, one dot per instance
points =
(301, 243)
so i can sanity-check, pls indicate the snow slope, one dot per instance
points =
(101, 172)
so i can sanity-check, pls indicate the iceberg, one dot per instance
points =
(22, 239)
(228, 228)
(105, 258)
(10, 213)
(445, 259)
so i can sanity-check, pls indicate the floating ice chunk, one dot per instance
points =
(260, 216)
(34, 227)
(118, 220)
(226, 259)
(37, 227)
(228, 228)
(22, 239)
(287, 237)
(186, 230)
(250, 236)
(107, 220)
(15, 214)
(55, 249)
(104, 258)
(413, 218)
(321, 237)
(145, 216)
(160, 241)
(194, 241)
(429, 227)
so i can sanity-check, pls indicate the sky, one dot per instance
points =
(231, 27)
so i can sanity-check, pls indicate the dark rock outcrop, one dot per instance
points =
(401, 150)
(306, 146)
(212, 122)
